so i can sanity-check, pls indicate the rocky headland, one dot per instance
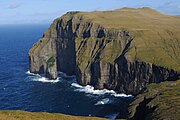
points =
(123, 50)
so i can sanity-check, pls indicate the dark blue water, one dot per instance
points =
(22, 91)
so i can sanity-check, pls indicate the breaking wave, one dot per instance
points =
(39, 78)
(86, 89)
(29, 73)
(90, 89)
(43, 79)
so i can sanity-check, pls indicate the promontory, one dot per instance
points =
(123, 50)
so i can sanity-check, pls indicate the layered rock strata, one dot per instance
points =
(100, 56)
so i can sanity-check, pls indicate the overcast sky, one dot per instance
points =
(45, 11)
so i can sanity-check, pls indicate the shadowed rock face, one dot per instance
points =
(65, 47)
(97, 55)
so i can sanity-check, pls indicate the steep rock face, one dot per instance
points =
(42, 56)
(99, 56)
(123, 75)
(65, 46)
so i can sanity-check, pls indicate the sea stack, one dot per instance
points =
(123, 50)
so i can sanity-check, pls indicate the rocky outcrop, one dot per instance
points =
(100, 56)
(42, 55)
(159, 102)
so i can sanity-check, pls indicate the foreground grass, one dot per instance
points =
(161, 101)
(22, 115)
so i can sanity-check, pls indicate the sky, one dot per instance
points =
(45, 11)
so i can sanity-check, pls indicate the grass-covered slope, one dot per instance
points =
(160, 102)
(22, 115)
(156, 35)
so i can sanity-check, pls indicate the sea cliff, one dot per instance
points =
(123, 50)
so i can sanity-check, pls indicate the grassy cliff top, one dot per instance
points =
(156, 35)
(133, 19)
(22, 115)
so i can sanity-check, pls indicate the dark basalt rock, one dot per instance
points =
(96, 55)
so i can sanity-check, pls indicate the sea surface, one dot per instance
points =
(22, 90)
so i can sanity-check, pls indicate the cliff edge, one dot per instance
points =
(123, 50)
(159, 102)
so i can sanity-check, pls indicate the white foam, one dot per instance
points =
(103, 101)
(76, 85)
(45, 80)
(29, 73)
(122, 95)
(90, 89)
(37, 77)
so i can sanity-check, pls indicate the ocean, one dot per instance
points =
(22, 90)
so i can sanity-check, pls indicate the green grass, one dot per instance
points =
(51, 61)
(156, 35)
(166, 97)
(140, 19)
(22, 115)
